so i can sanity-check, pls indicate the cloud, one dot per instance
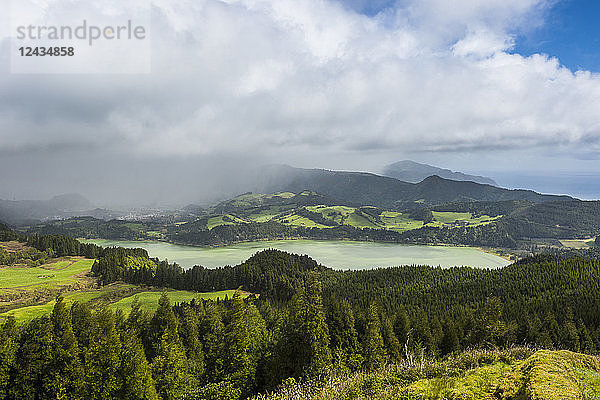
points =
(314, 77)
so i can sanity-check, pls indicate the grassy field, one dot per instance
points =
(227, 219)
(149, 300)
(30, 292)
(399, 222)
(57, 273)
(448, 218)
(24, 314)
(298, 220)
(116, 297)
(256, 208)
(578, 244)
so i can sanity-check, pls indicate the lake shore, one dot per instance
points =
(337, 254)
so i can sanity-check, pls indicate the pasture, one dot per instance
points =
(57, 273)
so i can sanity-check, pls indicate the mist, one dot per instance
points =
(317, 84)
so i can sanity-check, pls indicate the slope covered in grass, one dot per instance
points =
(513, 374)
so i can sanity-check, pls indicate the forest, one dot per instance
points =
(302, 321)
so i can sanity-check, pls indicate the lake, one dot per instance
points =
(336, 254)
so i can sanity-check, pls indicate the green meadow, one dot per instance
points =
(24, 314)
(149, 300)
(255, 208)
(58, 273)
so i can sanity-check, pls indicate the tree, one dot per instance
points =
(421, 330)
(191, 341)
(449, 343)
(34, 360)
(134, 372)
(402, 325)
(344, 338)
(137, 319)
(569, 336)
(374, 352)
(489, 329)
(390, 341)
(211, 330)
(102, 358)
(306, 338)
(8, 349)
(67, 372)
(169, 366)
(83, 326)
(243, 342)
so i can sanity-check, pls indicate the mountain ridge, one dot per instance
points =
(364, 188)
(414, 172)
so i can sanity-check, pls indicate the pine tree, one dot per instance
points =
(490, 329)
(211, 330)
(169, 366)
(81, 317)
(191, 341)
(422, 337)
(587, 342)
(374, 353)
(344, 338)
(67, 372)
(138, 320)
(243, 341)
(34, 361)
(306, 340)
(449, 343)
(390, 341)
(134, 372)
(8, 349)
(402, 325)
(102, 358)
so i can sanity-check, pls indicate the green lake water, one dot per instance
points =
(332, 253)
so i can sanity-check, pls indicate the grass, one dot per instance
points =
(55, 274)
(445, 218)
(359, 221)
(399, 222)
(227, 219)
(107, 296)
(591, 383)
(149, 300)
(578, 244)
(25, 314)
(449, 217)
(475, 384)
(387, 219)
(257, 212)
(298, 220)
(513, 374)
(264, 215)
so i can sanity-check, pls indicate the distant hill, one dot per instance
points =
(361, 188)
(414, 172)
(26, 211)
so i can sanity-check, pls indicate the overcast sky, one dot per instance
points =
(314, 83)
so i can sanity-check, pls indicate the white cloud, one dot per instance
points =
(286, 76)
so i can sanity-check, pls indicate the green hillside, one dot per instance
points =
(479, 375)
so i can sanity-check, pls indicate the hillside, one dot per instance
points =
(361, 188)
(414, 172)
(286, 215)
(481, 375)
